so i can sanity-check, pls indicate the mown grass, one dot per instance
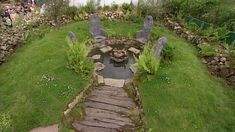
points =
(35, 84)
(182, 97)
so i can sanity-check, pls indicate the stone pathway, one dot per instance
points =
(107, 109)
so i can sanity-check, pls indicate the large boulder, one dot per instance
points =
(144, 34)
(161, 44)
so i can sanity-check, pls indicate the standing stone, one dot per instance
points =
(144, 34)
(72, 37)
(96, 29)
(161, 44)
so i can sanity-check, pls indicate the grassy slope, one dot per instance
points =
(184, 97)
(31, 100)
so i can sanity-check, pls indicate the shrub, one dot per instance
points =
(90, 6)
(207, 50)
(106, 8)
(5, 122)
(148, 63)
(126, 7)
(56, 8)
(168, 53)
(114, 7)
(71, 11)
(77, 59)
(132, 16)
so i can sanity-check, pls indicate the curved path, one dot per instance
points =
(108, 109)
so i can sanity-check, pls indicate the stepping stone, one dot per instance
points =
(134, 67)
(114, 82)
(106, 49)
(99, 66)
(100, 79)
(96, 57)
(134, 50)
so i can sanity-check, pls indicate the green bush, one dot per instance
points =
(148, 63)
(132, 16)
(114, 7)
(5, 122)
(90, 7)
(207, 50)
(71, 11)
(126, 7)
(78, 61)
(168, 53)
(106, 8)
(56, 8)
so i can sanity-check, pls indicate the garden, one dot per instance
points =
(149, 66)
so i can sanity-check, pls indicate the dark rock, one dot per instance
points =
(72, 37)
(161, 43)
(144, 34)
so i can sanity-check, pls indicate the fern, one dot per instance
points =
(148, 62)
(77, 59)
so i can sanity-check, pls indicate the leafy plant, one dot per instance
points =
(90, 6)
(5, 122)
(56, 8)
(148, 63)
(207, 50)
(126, 7)
(71, 11)
(114, 7)
(77, 59)
(168, 52)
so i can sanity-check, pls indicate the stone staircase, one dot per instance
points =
(108, 109)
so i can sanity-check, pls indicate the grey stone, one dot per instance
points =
(96, 29)
(144, 34)
(72, 37)
(96, 57)
(161, 44)
(106, 49)
(99, 66)
(134, 67)
(134, 50)
(114, 82)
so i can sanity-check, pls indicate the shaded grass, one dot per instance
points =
(184, 97)
(35, 84)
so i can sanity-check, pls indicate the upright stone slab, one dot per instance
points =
(161, 44)
(72, 37)
(144, 34)
(96, 29)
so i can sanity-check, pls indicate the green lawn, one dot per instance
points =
(185, 97)
(35, 85)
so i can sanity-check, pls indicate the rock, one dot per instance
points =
(72, 37)
(204, 61)
(100, 79)
(161, 43)
(99, 66)
(144, 34)
(114, 82)
(106, 49)
(223, 59)
(213, 62)
(134, 68)
(134, 50)
(96, 57)
(216, 59)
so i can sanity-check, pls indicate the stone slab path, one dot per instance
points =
(106, 110)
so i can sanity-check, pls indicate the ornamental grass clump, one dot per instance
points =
(78, 61)
(148, 63)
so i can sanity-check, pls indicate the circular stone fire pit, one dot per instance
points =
(117, 56)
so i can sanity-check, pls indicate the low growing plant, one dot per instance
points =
(77, 59)
(148, 63)
(5, 122)
(207, 50)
